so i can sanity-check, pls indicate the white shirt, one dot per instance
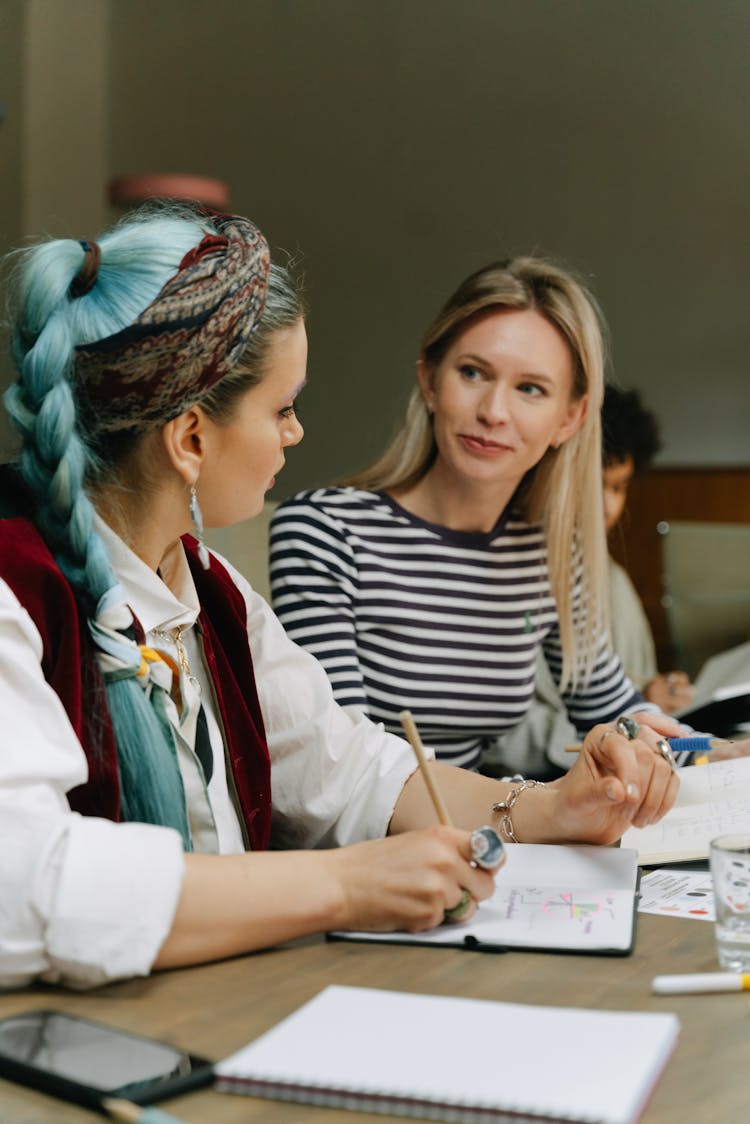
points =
(84, 900)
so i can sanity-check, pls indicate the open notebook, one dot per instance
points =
(565, 899)
(456, 1059)
(713, 799)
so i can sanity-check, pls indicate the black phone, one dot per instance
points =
(85, 1061)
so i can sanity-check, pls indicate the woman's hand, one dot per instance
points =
(615, 782)
(664, 725)
(408, 881)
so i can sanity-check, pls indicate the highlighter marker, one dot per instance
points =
(700, 982)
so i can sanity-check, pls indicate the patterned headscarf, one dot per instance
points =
(186, 340)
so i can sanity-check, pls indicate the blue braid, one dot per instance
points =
(138, 257)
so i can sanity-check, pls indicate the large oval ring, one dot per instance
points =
(460, 909)
(628, 727)
(663, 747)
(486, 847)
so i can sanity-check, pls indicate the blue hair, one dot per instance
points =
(138, 257)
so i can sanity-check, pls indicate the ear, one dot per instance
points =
(426, 380)
(573, 421)
(184, 440)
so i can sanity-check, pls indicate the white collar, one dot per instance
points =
(154, 603)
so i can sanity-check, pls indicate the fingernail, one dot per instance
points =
(632, 790)
(610, 792)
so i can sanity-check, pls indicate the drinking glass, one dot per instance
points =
(730, 870)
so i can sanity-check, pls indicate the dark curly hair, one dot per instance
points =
(628, 429)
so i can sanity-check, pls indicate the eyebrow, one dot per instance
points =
(479, 361)
(298, 390)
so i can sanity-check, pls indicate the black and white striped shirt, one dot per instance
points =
(408, 614)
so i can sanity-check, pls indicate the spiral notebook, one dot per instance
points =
(547, 898)
(456, 1059)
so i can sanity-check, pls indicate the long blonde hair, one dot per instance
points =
(564, 491)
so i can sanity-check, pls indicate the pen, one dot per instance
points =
(693, 743)
(701, 981)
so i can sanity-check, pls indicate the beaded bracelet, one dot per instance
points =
(507, 806)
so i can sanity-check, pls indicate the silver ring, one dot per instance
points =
(628, 727)
(664, 748)
(486, 847)
(460, 909)
(606, 735)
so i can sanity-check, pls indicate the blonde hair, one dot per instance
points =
(564, 491)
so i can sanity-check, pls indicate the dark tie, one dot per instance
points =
(203, 750)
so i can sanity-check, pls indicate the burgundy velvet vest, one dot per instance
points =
(70, 667)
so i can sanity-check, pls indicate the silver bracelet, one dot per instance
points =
(507, 806)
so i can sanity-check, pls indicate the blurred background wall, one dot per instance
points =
(395, 145)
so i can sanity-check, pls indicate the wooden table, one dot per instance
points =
(213, 1010)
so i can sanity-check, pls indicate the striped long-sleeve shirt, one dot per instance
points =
(405, 614)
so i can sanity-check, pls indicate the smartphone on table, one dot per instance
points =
(84, 1061)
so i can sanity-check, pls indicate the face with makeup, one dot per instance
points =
(500, 396)
(245, 453)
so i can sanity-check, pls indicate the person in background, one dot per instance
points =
(435, 578)
(156, 717)
(630, 440)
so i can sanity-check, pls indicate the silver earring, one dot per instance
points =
(197, 517)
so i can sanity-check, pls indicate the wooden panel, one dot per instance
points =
(709, 495)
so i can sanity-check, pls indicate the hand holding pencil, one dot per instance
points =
(701, 746)
(487, 850)
(625, 776)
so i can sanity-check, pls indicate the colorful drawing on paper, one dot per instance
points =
(576, 909)
(572, 907)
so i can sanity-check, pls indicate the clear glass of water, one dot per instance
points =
(730, 870)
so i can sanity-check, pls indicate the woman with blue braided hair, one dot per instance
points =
(155, 713)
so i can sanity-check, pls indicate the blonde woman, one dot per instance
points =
(436, 576)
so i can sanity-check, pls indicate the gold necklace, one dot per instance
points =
(175, 635)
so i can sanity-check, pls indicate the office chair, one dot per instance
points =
(706, 584)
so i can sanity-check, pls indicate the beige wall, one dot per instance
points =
(11, 78)
(398, 144)
(53, 144)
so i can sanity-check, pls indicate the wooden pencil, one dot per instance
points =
(415, 741)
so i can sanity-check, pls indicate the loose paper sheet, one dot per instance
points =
(678, 893)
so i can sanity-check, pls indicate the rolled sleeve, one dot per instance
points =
(109, 893)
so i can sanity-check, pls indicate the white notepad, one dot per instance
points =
(456, 1059)
(549, 897)
(713, 799)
